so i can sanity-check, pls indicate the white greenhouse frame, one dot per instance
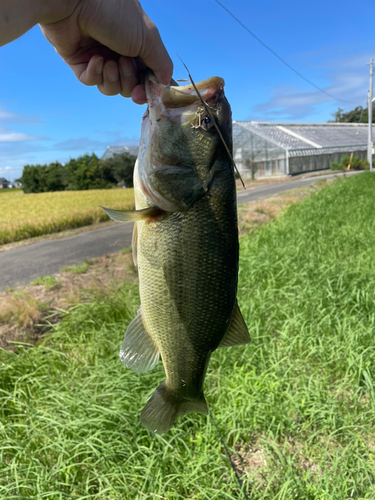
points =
(277, 149)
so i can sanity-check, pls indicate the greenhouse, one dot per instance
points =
(119, 150)
(265, 149)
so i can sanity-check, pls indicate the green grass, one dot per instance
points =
(301, 396)
(47, 281)
(10, 191)
(77, 269)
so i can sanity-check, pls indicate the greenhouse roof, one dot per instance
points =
(312, 136)
(118, 150)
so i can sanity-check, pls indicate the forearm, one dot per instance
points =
(18, 16)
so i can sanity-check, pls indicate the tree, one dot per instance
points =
(122, 167)
(30, 178)
(55, 177)
(84, 172)
(357, 115)
(338, 115)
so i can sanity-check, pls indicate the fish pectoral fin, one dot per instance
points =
(237, 332)
(179, 185)
(132, 215)
(135, 244)
(138, 351)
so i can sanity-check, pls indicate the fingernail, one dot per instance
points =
(111, 72)
(127, 68)
(99, 66)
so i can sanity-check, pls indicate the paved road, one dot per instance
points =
(20, 265)
(268, 189)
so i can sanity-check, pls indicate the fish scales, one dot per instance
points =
(185, 243)
(188, 284)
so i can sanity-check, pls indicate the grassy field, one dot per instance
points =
(10, 190)
(27, 215)
(297, 404)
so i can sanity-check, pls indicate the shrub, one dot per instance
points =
(355, 164)
(345, 160)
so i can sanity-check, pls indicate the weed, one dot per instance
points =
(24, 310)
(78, 269)
(260, 210)
(48, 282)
(126, 250)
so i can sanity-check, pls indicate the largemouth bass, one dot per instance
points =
(185, 244)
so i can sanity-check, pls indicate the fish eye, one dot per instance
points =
(207, 123)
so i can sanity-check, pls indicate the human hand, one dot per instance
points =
(109, 43)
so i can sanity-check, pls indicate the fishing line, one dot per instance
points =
(240, 483)
(280, 58)
(214, 122)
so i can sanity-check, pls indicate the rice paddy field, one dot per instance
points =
(295, 407)
(28, 215)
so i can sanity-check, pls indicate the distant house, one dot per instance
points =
(119, 150)
(4, 183)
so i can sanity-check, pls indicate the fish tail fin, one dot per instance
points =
(164, 407)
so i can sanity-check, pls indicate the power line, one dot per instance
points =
(276, 55)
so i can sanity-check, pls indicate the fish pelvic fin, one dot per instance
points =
(133, 215)
(237, 332)
(138, 351)
(163, 408)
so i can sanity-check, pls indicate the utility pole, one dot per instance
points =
(369, 140)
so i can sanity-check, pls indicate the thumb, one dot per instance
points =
(154, 54)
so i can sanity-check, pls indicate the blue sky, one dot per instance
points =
(47, 115)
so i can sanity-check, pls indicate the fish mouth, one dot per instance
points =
(175, 96)
(178, 97)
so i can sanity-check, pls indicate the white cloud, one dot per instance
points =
(5, 114)
(4, 171)
(349, 80)
(17, 147)
(83, 144)
(11, 136)
(9, 117)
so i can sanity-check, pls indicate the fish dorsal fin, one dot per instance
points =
(138, 351)
(132, 215)
(237, 332)
(135, 244)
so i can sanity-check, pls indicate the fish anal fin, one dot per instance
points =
(135, 244)
(164, 407)
(138, 351)
(133, 215)
(237, 332)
